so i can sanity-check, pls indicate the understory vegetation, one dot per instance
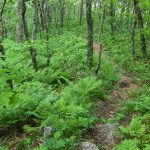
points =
(63, 62)
(136, 135)
(60, 96)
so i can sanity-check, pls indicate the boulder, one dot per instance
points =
(88, 146)
(47, 131)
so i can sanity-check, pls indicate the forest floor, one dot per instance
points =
(105, 133)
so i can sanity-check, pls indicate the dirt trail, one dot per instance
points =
(103, 133)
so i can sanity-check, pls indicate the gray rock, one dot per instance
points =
(106, 134)
(88, 146)
(47, 131)
(112, 129)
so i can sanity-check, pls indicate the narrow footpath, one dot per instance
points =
(105, 133)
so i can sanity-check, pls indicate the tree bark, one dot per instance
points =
(4, 35)
(133, 36)
(127, 14)
(62, 12)
(21, 29)
(90, 33)
(141, 26)
(3, 31)
(112, 15)
(101, 23)
(33, 54)
(35, 19)
(41, 14)
(81, 11)
(48, 23)
(2, 51)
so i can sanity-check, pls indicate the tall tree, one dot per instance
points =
(33, 52)
(112, 16)
(101, 24)
(81, 11)
(62, 12)
(21, 29)
(133, 36)
(3, 35)
(141, 26)
(35, 19)
(90, 32)
(2, 29)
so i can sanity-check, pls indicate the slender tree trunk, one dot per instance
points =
(33, 52)
(127, 14)
(141, 26)
(3, 30)
(2, 10)
(41, 5)
(121, 17)
(81, 11)
(112, 15)
(90, 32)
(133, 36)
(2, 51)
(48, 17)
(62, 12)
(101, 23)
(4, 35)
(35, 19)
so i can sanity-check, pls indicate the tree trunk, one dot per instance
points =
(41, 14)
(47, 22)
(127, 14)
(62, 12)
(21, 29)
(101, 23)
(3, 30)
(141, 26)
(90, 33)
(49, 17)
(4, 35)
(121, 17)
(133, 36)
(33, 54)
(81, 11)
(35, 19)
(112, 15)
(2, 51)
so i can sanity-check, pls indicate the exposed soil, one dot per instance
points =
(103, 133)
(119, 95)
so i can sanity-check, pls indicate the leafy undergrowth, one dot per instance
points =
(118, 48)
(59, 96)
(137, 134)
